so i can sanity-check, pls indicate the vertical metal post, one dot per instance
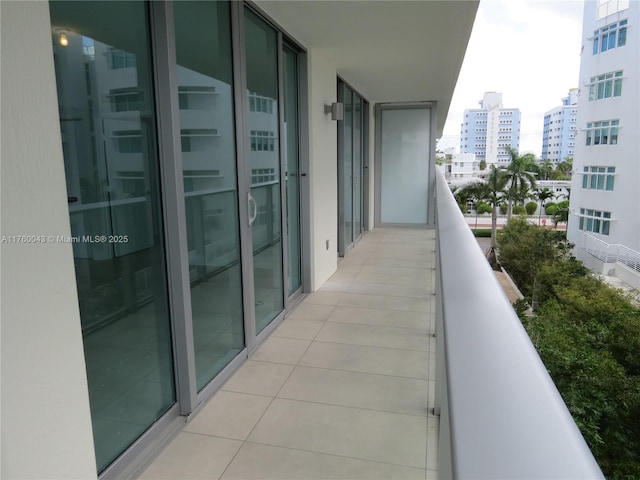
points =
(244, 171)
(166, 85)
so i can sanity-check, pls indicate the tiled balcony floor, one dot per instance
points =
(341, 390)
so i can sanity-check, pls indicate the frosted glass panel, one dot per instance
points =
(404, 166)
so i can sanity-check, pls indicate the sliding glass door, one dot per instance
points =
(263, 119)
(351, 148)
(107, 121)
(183, 185)
(292, 175)
(207, 140)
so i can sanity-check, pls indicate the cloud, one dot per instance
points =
(527, 49)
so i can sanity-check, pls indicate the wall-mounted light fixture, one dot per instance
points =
(336, 109)
(63, 40)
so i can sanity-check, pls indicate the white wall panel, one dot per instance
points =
(46, 425)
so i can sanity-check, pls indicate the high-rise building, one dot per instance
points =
(605, 197)
(487, 130)
(559, 133)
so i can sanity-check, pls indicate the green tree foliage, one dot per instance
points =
(545, 167)
(588, 336)
(551, 208)
(521, 174)
(531, 208)
(484, 208)
(542, 195)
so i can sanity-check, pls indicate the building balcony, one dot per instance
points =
(356, 384)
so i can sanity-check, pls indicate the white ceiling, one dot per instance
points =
(389, 50)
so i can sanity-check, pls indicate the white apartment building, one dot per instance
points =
(559, 130)
(605, 196)
(460, 168)
(487, 130)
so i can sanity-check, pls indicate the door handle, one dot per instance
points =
(254, 214)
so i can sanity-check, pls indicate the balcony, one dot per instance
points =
(353, 384)
(344, 388)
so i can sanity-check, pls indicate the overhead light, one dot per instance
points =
(63, 40)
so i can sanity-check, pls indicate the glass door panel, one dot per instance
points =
(347, 166)
(107, 120)
(205, 93)
(357, 166)
(293, 173)
(264, 165)
(404, 165)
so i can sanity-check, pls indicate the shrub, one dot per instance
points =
(551, 208)
(519, 210)
(484, 208)
(531, 208)
(587, 335)
(503, 208)
(482, 232)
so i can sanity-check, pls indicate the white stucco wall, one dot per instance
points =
(46, 423)
(323, 168)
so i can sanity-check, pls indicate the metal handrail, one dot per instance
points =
(501, 415)
(610, 252)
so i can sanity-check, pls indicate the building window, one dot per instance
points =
(605, 86)
(263, 175)
(609, 37)
(609, 7)
(125, 100)
(260, 104)
(598, 178)
(262, 141)
(121, 59)
(602, 133)
(594, 221)
(128, 141)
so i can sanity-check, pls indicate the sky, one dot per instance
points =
(529, 50)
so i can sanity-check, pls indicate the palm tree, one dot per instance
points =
(542, 195)
(519, 174)
(496, 182)
(476, 192)
(563, 169)
(545, 168)
(462, 196)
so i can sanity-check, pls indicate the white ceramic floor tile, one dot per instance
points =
(393, 290)
(323, 298)
(374, 336)
(360, 390)
(433, 429)
(229, 415)
(259, 378)
(385, 302)
(311, 311)
(300, 329)
(192, 456)
(281, 350)
(420, 279)
(264, 462)
(379, 317)
(366, 359)
(350, 432)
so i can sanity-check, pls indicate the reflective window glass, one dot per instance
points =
(205, 90)
(107, 119)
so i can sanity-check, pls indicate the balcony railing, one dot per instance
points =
(501, 415)
(611, 252)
